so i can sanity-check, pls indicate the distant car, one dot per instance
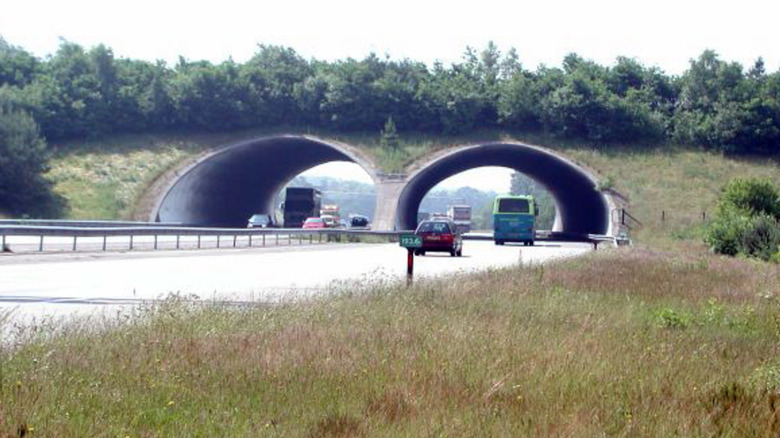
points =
(314, 222)
(330, 221)
(358, 221)
(260, 221)
(439, 235)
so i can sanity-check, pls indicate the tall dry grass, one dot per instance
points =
(618, 343)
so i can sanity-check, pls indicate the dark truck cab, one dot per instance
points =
(301, 203)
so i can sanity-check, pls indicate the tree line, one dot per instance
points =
(78, 92)
(716, 104)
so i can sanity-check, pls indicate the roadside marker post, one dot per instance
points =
(410, 242)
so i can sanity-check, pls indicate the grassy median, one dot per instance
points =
(623, 343)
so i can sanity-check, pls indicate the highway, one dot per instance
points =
(64, 284)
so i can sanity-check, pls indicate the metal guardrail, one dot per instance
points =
(251, 236)
(261, 234)
(84, 223)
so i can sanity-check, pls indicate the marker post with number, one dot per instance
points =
(410, 242)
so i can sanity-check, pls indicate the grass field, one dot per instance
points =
(617, 343)
(683, 184)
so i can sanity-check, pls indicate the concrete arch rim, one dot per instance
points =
(423, 164)
(350, 152)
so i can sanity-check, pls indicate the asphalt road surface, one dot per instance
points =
(44, 285)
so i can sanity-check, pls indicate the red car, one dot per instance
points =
(314, 222)
(439, 235)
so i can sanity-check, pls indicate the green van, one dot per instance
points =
(514, 219)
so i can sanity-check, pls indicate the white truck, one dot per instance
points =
(461, 215)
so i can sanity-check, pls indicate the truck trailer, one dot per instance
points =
(301, 203)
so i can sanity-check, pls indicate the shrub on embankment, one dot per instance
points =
(748, 221)
(629, 343)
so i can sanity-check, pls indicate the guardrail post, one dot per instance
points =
(300, 239)
(250, 240)
(74, 243)
(40, 244)
(2, 249)
(218, 236)
(289, 239)
(155, 241)
(263, 239)
(277, 240)
(234, 240)
(177, 241)
(320, 237)
(198, 241)
(104, 242)
(311, 239)
(131, 241)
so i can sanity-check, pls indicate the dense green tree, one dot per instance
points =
(17, 67)
(714, 104)
(24, 190)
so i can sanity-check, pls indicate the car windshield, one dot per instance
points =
(313, 220)
(434, 227)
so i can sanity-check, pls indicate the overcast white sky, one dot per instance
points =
(663, 33)
(666, 33)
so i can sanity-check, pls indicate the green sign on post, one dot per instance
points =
(410, 241)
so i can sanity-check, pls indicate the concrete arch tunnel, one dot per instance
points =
(581, 209)
(223, 188)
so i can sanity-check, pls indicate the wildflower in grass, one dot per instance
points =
(171, 403)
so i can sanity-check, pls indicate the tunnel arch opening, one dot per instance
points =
(227, 186)
(477, 189)
(580, 208)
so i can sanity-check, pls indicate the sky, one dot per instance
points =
(486, 179)
(661, 33)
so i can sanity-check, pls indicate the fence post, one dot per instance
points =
(177, 241)
(104, 242)
(663, 215)
(263, 239)
(234, 240)
(218, 236)
(250, 240)
(2, 249)
(703, 216)
(131, 241)
(74, 243)
(40, 244)
(198, 241)
(155, 242)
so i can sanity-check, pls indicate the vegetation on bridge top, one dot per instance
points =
(86, 93)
